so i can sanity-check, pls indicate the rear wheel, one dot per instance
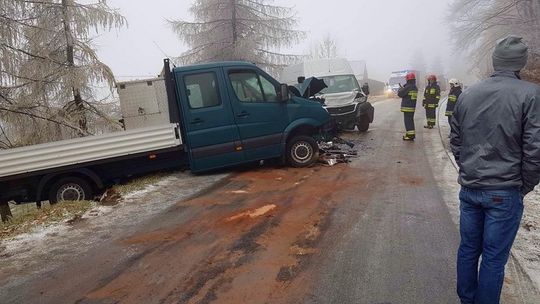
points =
(302, 151)
(70, 189)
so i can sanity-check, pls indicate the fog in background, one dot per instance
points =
(385, 33)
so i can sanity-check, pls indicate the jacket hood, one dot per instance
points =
(508, 74)
(510, 54)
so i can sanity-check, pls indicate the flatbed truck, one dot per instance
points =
(220, 115)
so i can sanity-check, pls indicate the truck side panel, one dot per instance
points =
(29, 188)
(83, 150)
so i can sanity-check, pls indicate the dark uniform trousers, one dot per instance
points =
(409, 124)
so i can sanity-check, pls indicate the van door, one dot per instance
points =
(212, 135)
(260, 117)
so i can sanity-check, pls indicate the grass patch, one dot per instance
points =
(61, 212)
(139, 183)
(27, 217)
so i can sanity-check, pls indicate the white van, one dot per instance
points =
(343, 97)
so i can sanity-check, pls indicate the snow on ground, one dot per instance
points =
(527, 245)
(526, 249)
(25, 254)
(36, 237)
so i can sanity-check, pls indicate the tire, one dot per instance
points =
(363, 125)
(70, 189)
(302, 151)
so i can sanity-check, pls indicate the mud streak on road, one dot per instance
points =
(222, 254)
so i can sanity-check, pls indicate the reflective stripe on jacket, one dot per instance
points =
(409, 95)
(452, 99)
(432, 95)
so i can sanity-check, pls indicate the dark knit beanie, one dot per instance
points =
(510, 54)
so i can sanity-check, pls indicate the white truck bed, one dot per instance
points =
(88, 149)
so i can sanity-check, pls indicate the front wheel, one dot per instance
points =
(70, 189)
(363, 125)
(302, 151)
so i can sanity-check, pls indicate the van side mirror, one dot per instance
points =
(284, 93)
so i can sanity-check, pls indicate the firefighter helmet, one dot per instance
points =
(432, 78)
(454, 82)
(410, 76)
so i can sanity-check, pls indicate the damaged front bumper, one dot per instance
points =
(349, 116)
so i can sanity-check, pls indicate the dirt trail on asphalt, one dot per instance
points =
(253, 239)
(247, 240)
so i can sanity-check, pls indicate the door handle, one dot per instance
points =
(243, 114)
(197, 121)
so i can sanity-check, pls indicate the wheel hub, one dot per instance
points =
(70, 192)
(302, 152)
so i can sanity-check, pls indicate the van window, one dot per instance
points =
(202, 90)
(270, 93)
(249, 86)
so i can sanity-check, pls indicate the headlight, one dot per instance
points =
(361, 99)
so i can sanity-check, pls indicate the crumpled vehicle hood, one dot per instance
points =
(339, 99)
(311, 87)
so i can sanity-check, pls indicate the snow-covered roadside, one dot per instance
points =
(45, 247)
(526, 250)
(527, 245)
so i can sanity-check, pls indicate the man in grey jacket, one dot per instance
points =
(496, 142)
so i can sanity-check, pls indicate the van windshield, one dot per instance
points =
(340, 84)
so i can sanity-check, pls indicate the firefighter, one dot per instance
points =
(432, 95)
(409, 95)
(455, 91)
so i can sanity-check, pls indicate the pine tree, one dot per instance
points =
(247, 30)
(51, 67)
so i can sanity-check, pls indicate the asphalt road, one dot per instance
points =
(398, 244)
(376, 231)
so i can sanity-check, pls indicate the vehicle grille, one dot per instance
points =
(341, 110)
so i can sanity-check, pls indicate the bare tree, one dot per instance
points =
(436, 66)
(248, 30)
(50, 68)
(478, 24)
(326, 49)
(418, 62)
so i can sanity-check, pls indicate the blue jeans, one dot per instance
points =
(488, 226)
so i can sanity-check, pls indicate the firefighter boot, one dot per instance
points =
(408, 138)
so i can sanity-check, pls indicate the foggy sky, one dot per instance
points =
(385, 33)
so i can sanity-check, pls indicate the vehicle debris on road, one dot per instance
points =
(336, 151)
